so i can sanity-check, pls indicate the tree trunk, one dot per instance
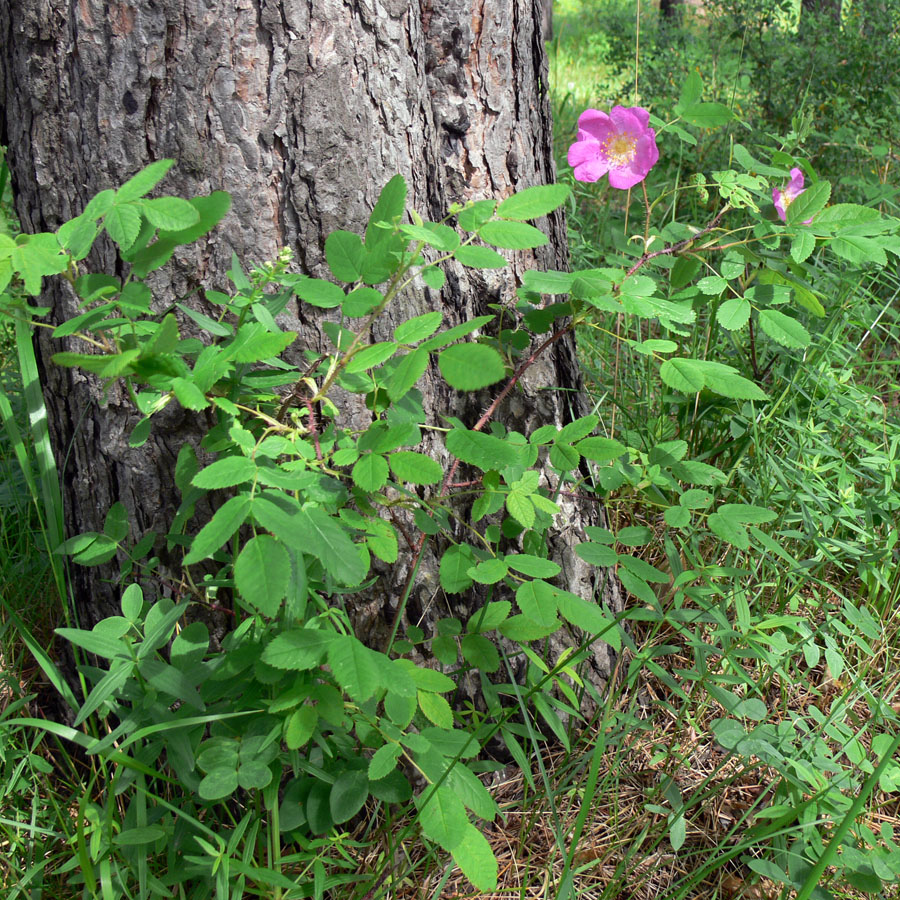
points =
(830, 8)
(302, 111)
(670, 10)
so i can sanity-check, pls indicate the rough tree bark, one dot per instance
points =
(830, 8)
(301, 109)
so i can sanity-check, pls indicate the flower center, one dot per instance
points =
(619, 149)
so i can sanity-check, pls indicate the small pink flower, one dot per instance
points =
(621, 143)
(783, 199)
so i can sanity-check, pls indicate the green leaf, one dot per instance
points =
(418, 328)
(262, 573)
(597, 554)
(634, 536)
(578, 429)
(677, 832)
(844, 215)
(381, 539)
(100, 204)
(707, 115)
(123, 224)
(361, 301)
(408, 370)
(138, 185)
(224, 523)
(589, 618)
(455, 333)
(218, 784)
(691, 91)
(534, 202)
(302, 648)
(254, 775)
(348, 795)
(384, 761)
(857, 249)
(683, 375)
(34, 256)
(538, 601)
(415, 468)
(226, 472)
(523, 630)
(441, 237)
(729, 530)
(323, 537)
(371, 356)
(344, 253)
(436, 709)
(474, 216)
(370, 472)
(170, 213)
(93, 642)
(736, 387)
(677, 517)
(733, 313)
(481, 450)
(115, 526)
(188, 394)
(478, 651)
(434, 277)
(253, 343)
(548, 282)
(802, 245)
(811, 201)
(476, 257)
(712, 285)
(77, 236)
(318, 292)
(475, 858)
(512, 235)
(488, 617)
(390, 206)
(443, 817)
(747, 514)
(520, 507)
(489, 571)
(210, 211)
(534, 566)
(455, 564)
(354, 668)
(600, 449)
(783, 329)
(470, 367)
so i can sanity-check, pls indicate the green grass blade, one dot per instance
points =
(828, 857)
(37, 417)
(48, 667)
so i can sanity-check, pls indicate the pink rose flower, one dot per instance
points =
(621, 143)
(783, 199)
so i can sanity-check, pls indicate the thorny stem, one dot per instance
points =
(448, 478)
(648, 207)
(680, 245)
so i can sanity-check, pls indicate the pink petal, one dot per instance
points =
(626, 121)
(583, 151)
(778, 200)
(594, 124)
(625, 177)
(591, 170)
(641, 114)
(646, 153)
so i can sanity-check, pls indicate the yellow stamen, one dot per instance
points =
(619, 149)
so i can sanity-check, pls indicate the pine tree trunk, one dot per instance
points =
(302, 111)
